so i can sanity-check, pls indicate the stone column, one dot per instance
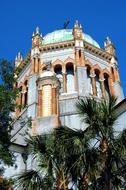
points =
(93, 81)
(64, 83)
(64, 78)
(102, 87)
(23, 96)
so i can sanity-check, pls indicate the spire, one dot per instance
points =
(36, 37)
(37, 30)
(80, 26)
(18, 59)
(77, 31)
(107, 41)
(19, 56)
(33, 34)
(76, 24)
(108, 46)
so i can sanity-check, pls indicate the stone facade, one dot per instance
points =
(59, 69)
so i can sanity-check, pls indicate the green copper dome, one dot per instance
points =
(65, 35)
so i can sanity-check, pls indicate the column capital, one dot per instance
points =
(24, 91)
(101, 79)
(92, 75)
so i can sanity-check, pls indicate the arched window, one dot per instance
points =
(58, 71)
(70, 78)
(79, 53)
(98, 84)
(89, 80)
(106, 84)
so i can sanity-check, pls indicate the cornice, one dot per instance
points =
(97, 51)
(101, 53)
(23, 63)
(59, 45)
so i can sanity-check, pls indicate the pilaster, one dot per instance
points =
(32, 95)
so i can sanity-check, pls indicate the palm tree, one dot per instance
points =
(80, 157)
(96, 156)
(90, 159)
(100, 118)
(48, 168)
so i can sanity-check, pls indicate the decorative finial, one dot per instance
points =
(33, 34)
(37, 30)
(109, 46)
(80, 26)
(76, 24)
(21, 58)
(19, 55)
(107, 41)
(16, 58)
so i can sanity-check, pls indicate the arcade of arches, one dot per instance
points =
(99, 82)
(22, 99)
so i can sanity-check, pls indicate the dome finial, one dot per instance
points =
(76, 24)
(37, 30)
(109, 47)
(33, 34)
(80, 26)
(107, 41)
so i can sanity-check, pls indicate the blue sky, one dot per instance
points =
(99, 18)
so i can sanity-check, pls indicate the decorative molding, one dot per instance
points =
(69, 60)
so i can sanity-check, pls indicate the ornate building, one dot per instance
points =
(61, 67)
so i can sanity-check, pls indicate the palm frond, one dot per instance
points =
(29, 180)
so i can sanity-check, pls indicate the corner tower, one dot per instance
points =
(80, 59)
(118, 91)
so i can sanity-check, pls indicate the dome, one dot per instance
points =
(65, 35)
